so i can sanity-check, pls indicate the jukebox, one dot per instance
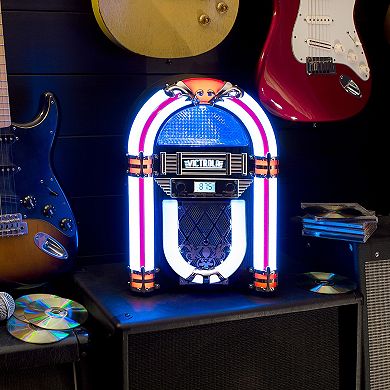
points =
(202, 182)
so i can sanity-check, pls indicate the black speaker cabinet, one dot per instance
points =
(219, 340)
(50, 366)
(369, 265)
(373, 259)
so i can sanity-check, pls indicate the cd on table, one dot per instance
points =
(32, 334)
(22, 302)
(56, 313)
(325, 283)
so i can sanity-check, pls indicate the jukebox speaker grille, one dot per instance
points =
(203, 125)
(205, 233)
(378, 322)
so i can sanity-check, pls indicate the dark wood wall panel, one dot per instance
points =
(72, 43)
(90, 105)
(57, 46)
(96, 164)
(47, 5)
(102, 230)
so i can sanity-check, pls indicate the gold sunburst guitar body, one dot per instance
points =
(166, 28)
(38, 234)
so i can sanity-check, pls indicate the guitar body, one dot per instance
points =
(38, 236)
(313, 67)
(166, 28)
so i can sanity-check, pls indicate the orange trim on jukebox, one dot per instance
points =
(204, 85)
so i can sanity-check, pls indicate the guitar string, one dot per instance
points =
(313, 34)
(317, 30)
(2, 172)
(9, 167)
(2, 140)
(13, 177)
(308, 25)
(318, 37)
(13, 173)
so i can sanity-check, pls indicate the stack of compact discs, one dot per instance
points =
(45, 318)
(338, 221)
(325, 283)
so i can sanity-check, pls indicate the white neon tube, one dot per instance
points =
(255, 107)
(149, 223)
(141, 118)
(273, 199)
(134, 233)
(171, 239)
(258, 223)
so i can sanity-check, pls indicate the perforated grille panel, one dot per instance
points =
(203, 125)
(378, 321)
(205, 232)
(295, 351)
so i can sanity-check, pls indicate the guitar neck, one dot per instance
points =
(5, 116)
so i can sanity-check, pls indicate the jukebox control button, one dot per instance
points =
(230, 187)
(180, 187)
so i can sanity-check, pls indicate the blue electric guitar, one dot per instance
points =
(38, 234)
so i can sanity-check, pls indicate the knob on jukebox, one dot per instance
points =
(202, 182)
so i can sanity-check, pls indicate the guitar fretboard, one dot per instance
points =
(5, 116)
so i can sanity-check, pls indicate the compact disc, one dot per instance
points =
(32, 334)
(22, 302)
(55, 313)
(326, 283)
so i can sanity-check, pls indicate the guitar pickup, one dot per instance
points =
(318, 19)
(319, 44)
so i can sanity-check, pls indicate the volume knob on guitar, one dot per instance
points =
(66, 224)
(364, 70)
(48, 210)
(352, 57)
(338, 48)
(29, 202)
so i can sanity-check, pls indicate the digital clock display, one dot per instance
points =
(204, 186)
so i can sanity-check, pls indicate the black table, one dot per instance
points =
(42, 366)
(155, 342)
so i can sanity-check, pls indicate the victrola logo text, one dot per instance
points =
(203, 163)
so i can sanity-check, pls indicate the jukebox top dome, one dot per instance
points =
(202, 187)
(203, 125)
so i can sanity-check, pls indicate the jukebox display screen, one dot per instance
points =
(204, 186)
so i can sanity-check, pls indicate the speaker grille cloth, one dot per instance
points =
(205, 233)
(295, 351)
(378, 321)
(203, 125)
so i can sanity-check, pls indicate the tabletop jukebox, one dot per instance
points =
(202, 182)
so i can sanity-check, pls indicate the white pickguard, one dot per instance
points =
(325, 28)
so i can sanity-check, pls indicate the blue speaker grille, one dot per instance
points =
(203, 125)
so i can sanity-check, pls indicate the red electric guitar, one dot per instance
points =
(313, 67)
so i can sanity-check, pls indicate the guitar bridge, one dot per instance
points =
(12, 225)
(320, 65)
